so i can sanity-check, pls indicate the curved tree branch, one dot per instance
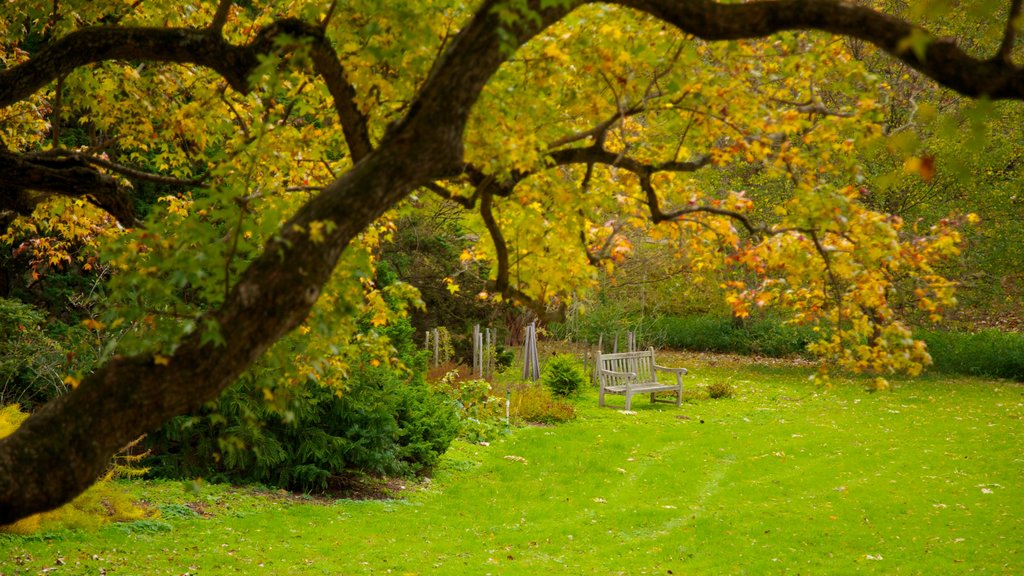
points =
(942, 60)
(25, 182)
(500, 247)
(205, 48)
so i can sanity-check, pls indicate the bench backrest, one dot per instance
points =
(641, 363)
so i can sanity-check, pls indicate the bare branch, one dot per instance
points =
(451, 196)
(139, 174)
(658, 216)
(1010, 33)
(604, 252)
(220, 18)
(827, 259)
(598, 131)
(354, 123)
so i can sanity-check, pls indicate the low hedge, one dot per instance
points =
(988, 353)
(708, 333)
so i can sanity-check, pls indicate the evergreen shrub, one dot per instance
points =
(385, 421)
(562, 375)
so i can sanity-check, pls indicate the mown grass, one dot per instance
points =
(786, 477)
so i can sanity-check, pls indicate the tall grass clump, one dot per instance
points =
(532, 404)
(987, 353)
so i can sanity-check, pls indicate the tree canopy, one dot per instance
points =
(221, 160)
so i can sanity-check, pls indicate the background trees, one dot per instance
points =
(288, 131)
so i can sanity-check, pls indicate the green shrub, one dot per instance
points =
(385, 421)
(530, 403)
(481, 413)
(562, 375)
(987, 353)
(503, 358)
(721, 390)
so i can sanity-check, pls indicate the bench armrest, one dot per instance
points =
(673, 370)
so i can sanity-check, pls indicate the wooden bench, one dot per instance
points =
(630, 373)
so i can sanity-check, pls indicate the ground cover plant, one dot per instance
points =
(786, 476)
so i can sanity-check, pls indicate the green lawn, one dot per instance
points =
(785, 478)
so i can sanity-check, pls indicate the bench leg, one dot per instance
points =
(679, 397)
(652, 398)
(600, 398)
(629, 397)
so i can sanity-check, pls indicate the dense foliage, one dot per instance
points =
(386, 420)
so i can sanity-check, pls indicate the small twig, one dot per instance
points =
(327, 17)
(57, 102)
(241, 121)
(833, 281)
(139, 174)
(117, 20)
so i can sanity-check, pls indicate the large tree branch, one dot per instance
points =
(25, 182)
(205, 48)
(942, 59)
